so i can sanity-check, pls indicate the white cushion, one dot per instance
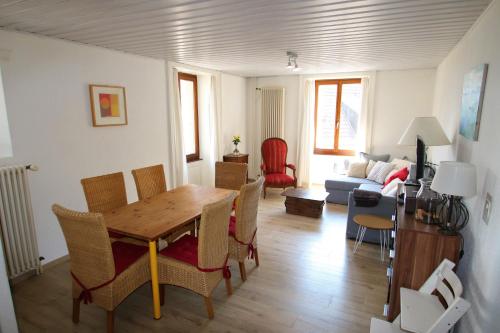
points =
(400, 164)
(391, 188)
(357, 169)
(369, 167)
(380, 171)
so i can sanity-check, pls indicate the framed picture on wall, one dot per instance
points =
(108, 105)
(472, 102)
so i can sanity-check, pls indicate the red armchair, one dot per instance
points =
(274, 151)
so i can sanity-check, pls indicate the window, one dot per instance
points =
(338, 108)
(188, 90)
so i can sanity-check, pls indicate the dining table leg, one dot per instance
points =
(153, 262)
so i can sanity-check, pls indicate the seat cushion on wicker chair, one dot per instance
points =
(232, 226)
(184, 249)
(115, 235)
(125, 254)
(279, 179)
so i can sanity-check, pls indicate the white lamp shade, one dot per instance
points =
(428, 129)
(455, 178)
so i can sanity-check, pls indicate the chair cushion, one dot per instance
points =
(113, 234)
(184, 249)
(279, 179)
(232, 226)
(125, 254)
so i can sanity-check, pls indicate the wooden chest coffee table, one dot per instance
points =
(305, 202)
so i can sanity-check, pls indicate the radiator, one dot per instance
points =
(273, 113)
(16, 222)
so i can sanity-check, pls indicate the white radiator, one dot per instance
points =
(16, 222)
(273, 113)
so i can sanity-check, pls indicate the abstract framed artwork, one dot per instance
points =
(108, 104)
(472, 102)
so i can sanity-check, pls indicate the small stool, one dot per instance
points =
(382, 224)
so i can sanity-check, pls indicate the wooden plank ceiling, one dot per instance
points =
(251, 37)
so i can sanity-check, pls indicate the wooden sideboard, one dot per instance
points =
(417, 250)
(237, 158)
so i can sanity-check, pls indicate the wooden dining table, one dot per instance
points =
(158, 216)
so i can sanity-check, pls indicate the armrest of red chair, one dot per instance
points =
(292, 166)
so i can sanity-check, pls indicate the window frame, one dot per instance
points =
(193, 78)
(338, 109)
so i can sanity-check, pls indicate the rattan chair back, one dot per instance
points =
(149, 181)
(247, 208)
(213, 233)
(230, 175)
(91, 257)
(104, 193)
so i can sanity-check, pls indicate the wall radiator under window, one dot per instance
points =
(273, 113)
(16, 221)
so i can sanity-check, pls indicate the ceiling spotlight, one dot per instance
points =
(296, 68)
(289, 66)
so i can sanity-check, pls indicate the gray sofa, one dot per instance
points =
(340, 192)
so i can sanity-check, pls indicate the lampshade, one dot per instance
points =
(455, 178)
(428, 129)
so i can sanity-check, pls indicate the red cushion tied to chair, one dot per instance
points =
(125, 254)
(232, 226)
(184, 249)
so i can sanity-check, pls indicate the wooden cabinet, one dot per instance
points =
(417, 250)
(239, 158)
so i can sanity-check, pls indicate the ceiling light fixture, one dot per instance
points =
(292, 61)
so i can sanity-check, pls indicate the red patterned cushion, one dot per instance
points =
(274, 153)
(125, 254)
(401, 174)
(184, 249)
(232, 226)
(279, 179)
(113, 234)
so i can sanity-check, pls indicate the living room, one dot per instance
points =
(411, 60)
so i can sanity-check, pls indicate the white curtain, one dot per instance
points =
(178, 158)
(212, 140)
(306, 135)
(364, 129)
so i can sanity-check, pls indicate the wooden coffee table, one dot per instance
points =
(305, 202)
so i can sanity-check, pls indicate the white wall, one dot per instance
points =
(46, 91)
(479, 268)
(399, 97)
(5, 141)
(233, 112)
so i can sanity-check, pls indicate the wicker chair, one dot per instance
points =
(149, 181)
(105, 193)
(243, 226)
(103, 273)
(199, 264)
(230, 175)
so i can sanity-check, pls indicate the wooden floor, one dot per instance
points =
(308, 281)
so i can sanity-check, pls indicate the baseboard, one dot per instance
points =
(27, 275)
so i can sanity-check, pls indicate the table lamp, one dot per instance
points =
(423, 131)
(454, 180)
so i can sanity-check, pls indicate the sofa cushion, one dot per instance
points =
(376, 158)
(357, 169)
(345, 183)
(380, 171)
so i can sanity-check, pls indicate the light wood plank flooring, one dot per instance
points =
(308, 281)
